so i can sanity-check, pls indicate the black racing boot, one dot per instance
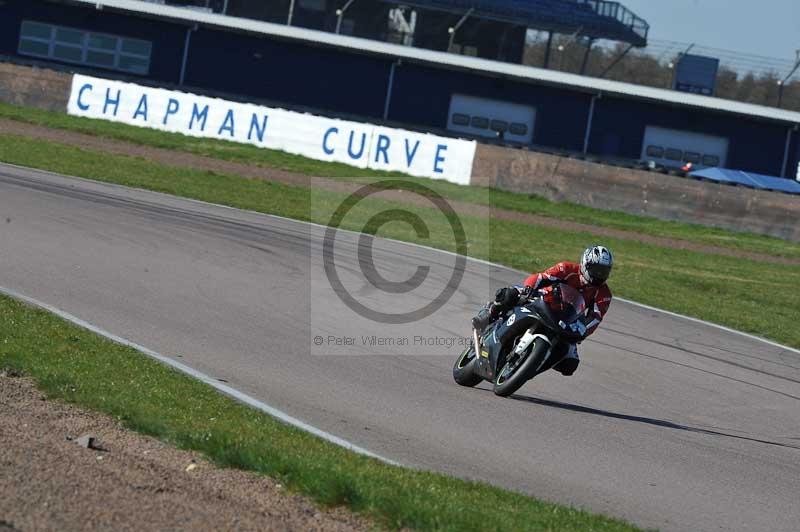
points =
(567, 366)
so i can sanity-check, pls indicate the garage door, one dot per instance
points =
(673, 147)
(493, 119)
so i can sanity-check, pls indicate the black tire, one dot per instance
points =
(506, 384)
(464, 368)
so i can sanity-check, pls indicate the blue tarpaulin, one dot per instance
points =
(748, 179)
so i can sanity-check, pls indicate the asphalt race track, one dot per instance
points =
(668, 423)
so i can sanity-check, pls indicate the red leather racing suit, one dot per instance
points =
(598, 298)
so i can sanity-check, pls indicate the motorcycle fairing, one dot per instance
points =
(504, 331)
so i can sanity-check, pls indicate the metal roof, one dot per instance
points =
(521, 72)
(749, 179)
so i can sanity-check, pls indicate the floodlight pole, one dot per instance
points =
(291, 13)
(340, 14)
(452, 30)
(616, 61)
(585, 62)
(675, 67)
(782, 83)
(563, 46)
(548, 49)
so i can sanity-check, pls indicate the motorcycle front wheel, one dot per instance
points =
(464, 368)
(519, 369)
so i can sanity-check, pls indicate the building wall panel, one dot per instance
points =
(288, 73)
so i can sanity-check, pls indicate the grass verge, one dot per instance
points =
(706, 286)
(503, 200)
(79, 367)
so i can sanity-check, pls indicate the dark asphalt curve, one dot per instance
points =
(668, 423)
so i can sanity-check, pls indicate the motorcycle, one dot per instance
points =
(526, 341)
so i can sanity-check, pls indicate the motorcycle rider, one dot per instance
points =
(588, 277)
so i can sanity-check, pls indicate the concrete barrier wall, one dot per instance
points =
(34, 87)
(638, 192)
(556, 178)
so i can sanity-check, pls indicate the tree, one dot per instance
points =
(641, 68)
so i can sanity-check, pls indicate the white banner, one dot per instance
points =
(324, 139)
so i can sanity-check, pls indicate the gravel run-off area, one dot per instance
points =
(48, 481)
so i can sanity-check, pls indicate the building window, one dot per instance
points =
(460, 119)
(501, 126)
(518, 129)
(480, 122)
(655, 151)
(674, 154)
(692, 157)
(84, 47)
(710, 160)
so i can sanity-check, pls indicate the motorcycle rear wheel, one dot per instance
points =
(464, 368)
(516, 373)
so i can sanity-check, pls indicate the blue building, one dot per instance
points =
(383, 82)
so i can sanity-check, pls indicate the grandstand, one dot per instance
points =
(595, 19)
(491, 29)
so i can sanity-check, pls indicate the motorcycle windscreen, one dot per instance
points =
(565, 302)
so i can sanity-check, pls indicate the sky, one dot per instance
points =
(763, 27)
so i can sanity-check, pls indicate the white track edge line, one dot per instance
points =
(202, 377)
(479, 261)
(709, 324)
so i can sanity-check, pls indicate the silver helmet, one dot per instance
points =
(596, 263)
